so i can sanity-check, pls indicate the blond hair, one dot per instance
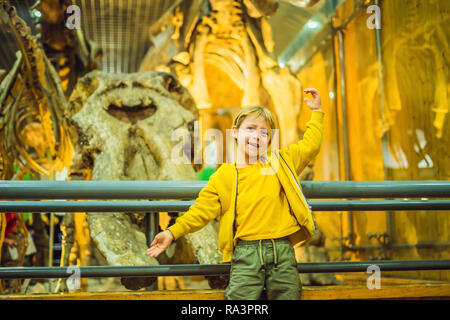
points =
(256, 111)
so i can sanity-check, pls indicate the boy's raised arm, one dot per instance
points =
(308, 147)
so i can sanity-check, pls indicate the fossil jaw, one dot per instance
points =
(129, 104)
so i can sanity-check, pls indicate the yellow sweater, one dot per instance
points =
(262, 210)
(219, 197)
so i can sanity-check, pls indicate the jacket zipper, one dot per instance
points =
(301, 193)
(235, 203)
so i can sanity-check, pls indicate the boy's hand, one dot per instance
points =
(316, 103)
(161, 242)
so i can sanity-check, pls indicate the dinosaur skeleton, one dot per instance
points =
(68, 50)
(234, 37)
(33, 134)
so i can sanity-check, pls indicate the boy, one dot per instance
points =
(261, 215)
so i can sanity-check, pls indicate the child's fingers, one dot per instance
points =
(315, 94)
(158, 245)
(153, 252)
(157, 252)
(313, 91)
(156, 240)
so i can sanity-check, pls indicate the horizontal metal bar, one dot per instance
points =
(376, 189)
(379, 205)
(372, 247)
(186, 190)
(387, 246)
(95, 206)
(211, 269)
(181, 206)
(40, 190)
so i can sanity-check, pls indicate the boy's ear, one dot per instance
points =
(234, 132)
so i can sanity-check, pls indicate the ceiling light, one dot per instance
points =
(312, 24)
(36, 13)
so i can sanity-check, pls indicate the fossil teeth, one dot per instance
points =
(132, 101)
(118, 103)
(146, 101)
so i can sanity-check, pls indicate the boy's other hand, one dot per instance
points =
(315, 103)
(161, 242)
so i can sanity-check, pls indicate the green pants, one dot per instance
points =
(264, 264)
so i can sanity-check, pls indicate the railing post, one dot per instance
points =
(152, 226)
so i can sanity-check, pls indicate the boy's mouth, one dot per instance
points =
(255, 145)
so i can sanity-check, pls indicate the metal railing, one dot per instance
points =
(29, 196)
(212, 269)
(39, 190)
(151, 190)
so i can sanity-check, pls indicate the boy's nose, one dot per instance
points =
(255, 137)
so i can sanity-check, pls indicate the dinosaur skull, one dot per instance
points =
(124, 125)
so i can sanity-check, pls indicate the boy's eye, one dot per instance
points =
(264, 133)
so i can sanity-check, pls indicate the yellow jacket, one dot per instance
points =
(218, 198)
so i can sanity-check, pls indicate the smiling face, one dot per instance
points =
(252, 137)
